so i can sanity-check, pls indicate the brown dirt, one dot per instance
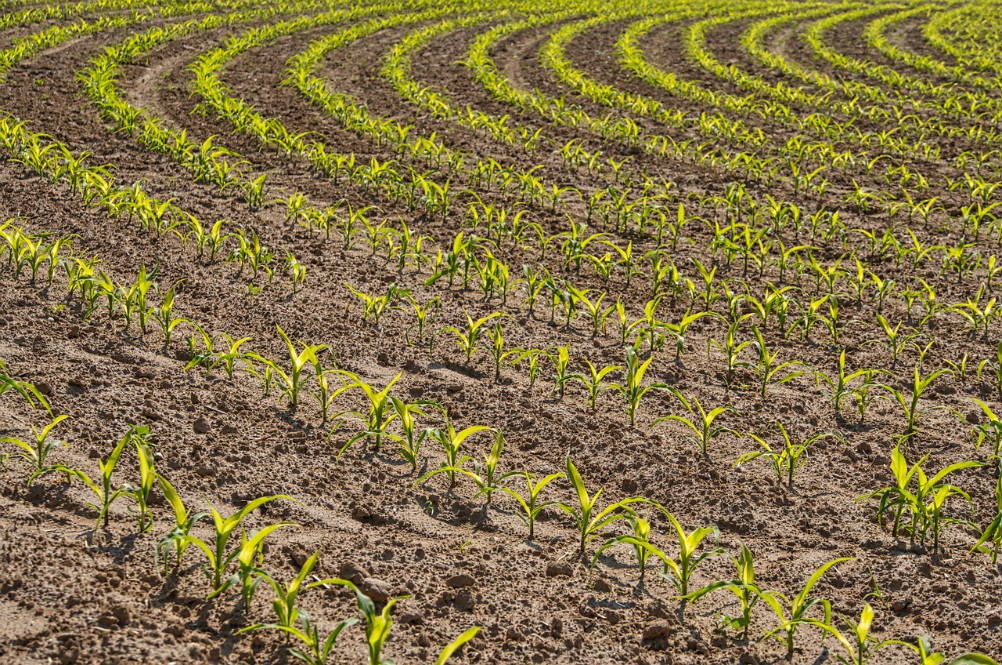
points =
(69, 593)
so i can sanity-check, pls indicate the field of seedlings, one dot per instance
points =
(427, 331)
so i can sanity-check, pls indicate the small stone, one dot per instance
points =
(412, 619)
(229, 429)
(376, 589)
(901, 604)
(352, 572)
(460, 581)
(201, 426)
(206, 471)
(559, 569)
(464, 601)
(748, 658)
(657, 630)
(44, 388)
(123, 615)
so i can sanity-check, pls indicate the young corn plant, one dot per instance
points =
(990, 540)
(184, 520)
(425, 315)
(147, 478)
(703, 428)
(640, 539)
(452, 441)
(742, 586)
(786, 460)
(857, 642)
(378, 625)
(103, 489)
(990, 430)
(910, 402)
(594, 382)
(317, 647)
(731, 349)
(633, 389)
(496, 350)
(930, 657)
(380, 414)
(218, 560)
(529, 502)
(994, 367)
(250, 558)
(918, 511)
(561, 359)
(486, 478)
(37, 452)
(769, 371)
(26, 390)
(839, 385)
(410, 438)
(534, 358)
(799, 606)
(292, 381)
(468, 339)
(588, 520)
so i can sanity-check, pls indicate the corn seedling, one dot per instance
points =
(106, 493)
(639, 539)
(184, 519)
(731, 349)
(594, 381)
(452, 441)
(496, 349)
(425, 315)
(786, 460)
(633, 389)
(218, 560)
(318, 648)
(857, 642)
(486, 478)
(147, 478)
(375, 306)
(920, 511)
(742, 586)
(293, 380)
(588, 520)
(530, 503)
(910, 402)
(798, 606)
(467, 339)
(768, 369)
(990, 431)
(36, 452)
(930, 657)
(380, 411)
(249, 561)
(990, 540)
(703, 429)
(410, 439)
(994, 366)
(22, 388)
